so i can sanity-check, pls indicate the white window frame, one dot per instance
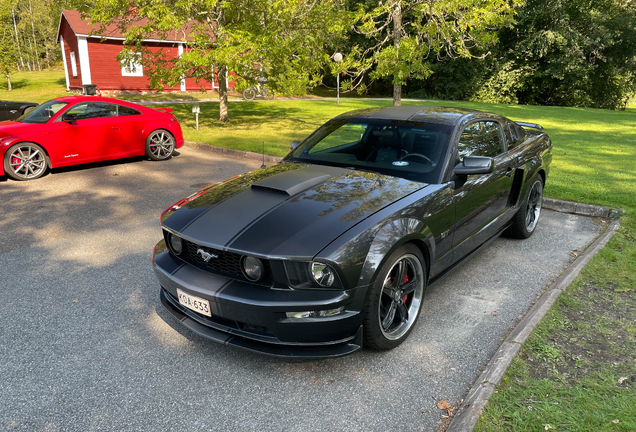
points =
(73, 64)
(132, 68)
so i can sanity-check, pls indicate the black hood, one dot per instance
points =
(288, 210)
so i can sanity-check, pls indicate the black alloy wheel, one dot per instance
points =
(395, 299)
(524, 222)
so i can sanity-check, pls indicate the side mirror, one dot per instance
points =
(69, 118)
(294, 145)
(474, 165)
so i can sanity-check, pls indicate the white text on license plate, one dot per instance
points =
(197, 304)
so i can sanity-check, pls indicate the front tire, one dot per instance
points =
(160, 145)
(524, 222)
(268, 94)
(25, 161)
(395, 299)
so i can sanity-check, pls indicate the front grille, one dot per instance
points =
(226, 263)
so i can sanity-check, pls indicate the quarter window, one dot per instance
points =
(126, 111)
(481, 138)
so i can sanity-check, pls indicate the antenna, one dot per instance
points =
(263, 166)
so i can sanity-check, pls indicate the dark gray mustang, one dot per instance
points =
(334, 247)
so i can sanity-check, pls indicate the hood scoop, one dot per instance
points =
(292, 182)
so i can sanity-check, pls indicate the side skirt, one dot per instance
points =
(479, 248)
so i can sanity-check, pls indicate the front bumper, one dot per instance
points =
(254, 317)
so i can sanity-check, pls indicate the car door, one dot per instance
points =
(481, 202)
(129, 124)
(84, 133)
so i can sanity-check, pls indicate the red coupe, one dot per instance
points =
(81, 129)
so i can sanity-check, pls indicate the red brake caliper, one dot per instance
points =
(406, 279)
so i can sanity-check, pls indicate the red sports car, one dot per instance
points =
(81, 129)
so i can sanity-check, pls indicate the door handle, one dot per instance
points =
(509, 172)
(116, 128)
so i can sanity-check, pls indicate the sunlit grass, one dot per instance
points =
(34, 86)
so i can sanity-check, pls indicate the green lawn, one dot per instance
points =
(577, 371)
(34, 86)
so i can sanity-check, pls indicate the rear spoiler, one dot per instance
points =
(530, 125)
(168, 110)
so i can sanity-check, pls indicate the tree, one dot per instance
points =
(409, 33)
(569, 52)
(239, 39)
(8, 57)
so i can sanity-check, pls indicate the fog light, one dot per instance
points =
(316, 314)
(322, 274)
(252, 268)
(176, 244)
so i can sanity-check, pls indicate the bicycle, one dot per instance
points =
(258, 91)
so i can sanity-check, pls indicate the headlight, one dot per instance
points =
(308, 275)
(176, 244)
(252, 268)
(322, 274)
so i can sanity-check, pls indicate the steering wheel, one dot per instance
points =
(418, 155)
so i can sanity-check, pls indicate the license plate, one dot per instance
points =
(196, 304)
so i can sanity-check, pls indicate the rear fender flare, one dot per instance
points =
(149, 128)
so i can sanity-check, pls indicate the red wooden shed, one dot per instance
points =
(90, 56)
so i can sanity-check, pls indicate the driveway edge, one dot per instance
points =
(478, 396)
(232, 152)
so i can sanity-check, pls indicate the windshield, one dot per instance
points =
(407, 149)
(42, 113)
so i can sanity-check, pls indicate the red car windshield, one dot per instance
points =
(42, 113)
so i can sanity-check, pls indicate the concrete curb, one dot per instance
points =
(232, 152)
(576, 208)
(478, 396)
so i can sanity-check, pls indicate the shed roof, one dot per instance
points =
(82, 27)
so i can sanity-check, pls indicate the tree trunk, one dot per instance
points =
(8, 82)
(223, 109)
(35, 43)
(397, 35)
(17, 38)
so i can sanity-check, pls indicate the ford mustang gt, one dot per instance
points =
(334, 247)
(81, 129)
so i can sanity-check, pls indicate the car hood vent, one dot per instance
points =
(292, 182)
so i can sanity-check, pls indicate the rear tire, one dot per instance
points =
(395, 299)
(160, 145)
(249, 94)
(524, 222)
(25, 161)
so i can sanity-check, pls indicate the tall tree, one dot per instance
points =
(240, 39)
(409, 33)
(8, 57)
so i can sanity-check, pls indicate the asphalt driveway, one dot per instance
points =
(85, 344)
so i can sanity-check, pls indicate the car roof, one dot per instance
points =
(76, 99)
(424, 113)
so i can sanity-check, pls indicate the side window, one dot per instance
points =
(126, 111)
(517, 134)
(91, 110)
(481, 138)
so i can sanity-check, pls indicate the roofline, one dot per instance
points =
(59, 27)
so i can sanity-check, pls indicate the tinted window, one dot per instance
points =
(43, 113)
(481, 139)
(401, 148)
(91, 110)
(126, 111)
(516, 132)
